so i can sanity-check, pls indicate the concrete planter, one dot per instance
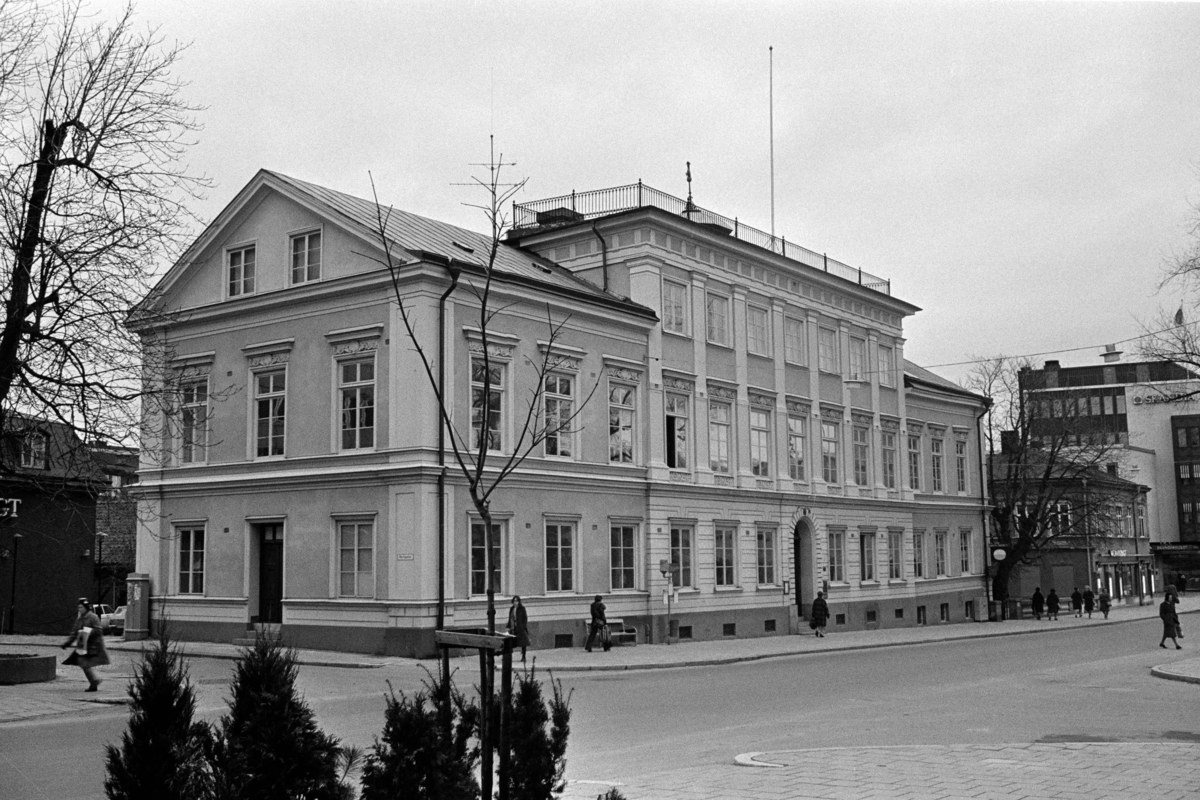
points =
(26, 668)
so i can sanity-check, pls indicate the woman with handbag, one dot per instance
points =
(88, 642)
(1170, 620)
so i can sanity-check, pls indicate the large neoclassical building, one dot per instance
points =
(745, 413)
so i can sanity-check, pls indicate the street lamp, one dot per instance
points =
(668, 570)
(12, 597)
(100, 537)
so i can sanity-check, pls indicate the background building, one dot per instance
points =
(1146, 410)
(751, 421)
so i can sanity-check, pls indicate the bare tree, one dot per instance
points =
(1047, 464)
(484, 464)
(93, 129)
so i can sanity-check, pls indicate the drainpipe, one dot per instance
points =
(603, 256)
(983, 514)
(455, 272)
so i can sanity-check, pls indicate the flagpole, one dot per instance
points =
(771, 117)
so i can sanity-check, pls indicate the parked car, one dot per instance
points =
(112, 620)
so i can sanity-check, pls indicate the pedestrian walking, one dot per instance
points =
(88, 641)
(1170, 621)
(1052, 605)
(518, 625)
(1037, 603)
(1105, 602)
(1089, 601)
(598, 626)
(818, 615)
(1181, 583)
(1077, 602)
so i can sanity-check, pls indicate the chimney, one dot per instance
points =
(1111, 354)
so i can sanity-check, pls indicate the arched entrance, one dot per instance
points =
(804, 563)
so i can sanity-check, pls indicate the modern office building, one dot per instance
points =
(748, 428)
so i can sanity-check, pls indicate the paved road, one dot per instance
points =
(1052, 707)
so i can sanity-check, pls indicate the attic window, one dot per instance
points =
(463, 247)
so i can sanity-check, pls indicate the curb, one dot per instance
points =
(713, 662)
(128, 647)
(1167, 674)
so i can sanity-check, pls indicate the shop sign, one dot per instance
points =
(8, 506)
(1151, 399)
(1118, 553)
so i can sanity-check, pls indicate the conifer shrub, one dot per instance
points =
(416, 756)
(269, 746)
(537, 741)
(162, 755)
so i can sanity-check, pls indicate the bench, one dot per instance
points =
(618, 633)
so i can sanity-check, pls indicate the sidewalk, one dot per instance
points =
(64, 694)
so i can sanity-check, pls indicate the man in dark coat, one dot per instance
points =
(1052, 605)
(819, 615)
(598, 623)
(1038, 603)
(1077, 602)
(1089, 600)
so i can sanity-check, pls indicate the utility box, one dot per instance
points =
(137, 607)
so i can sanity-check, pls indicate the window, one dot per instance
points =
(797, 427)
(241, 271)
(33, 450)
(964, 550)
(191, 560)
(622, 541)
(358, 403)
(719, 427)
(914, 462)
(866, 548)
(677, 431)
(726, 539)
(479, 557)
(837, 556)
(830, 440)
(960, 465)
(356, 541)
(674, 316)
(793, 341)
(306, 257)
(560, 405)
(1058, 518)
(620, 423)
(896, 555)
(681, 554)
(918, 554)
(760, 443)
(766, 557)
(487, 401)
(888, 442)
(827, 350)
(718, 319)
(887, 366)
(935, 446)
(858, 359)
(560, 560)
(939, 548)
(193, 420)
(862, 455)
(270, 410)
(758, 331)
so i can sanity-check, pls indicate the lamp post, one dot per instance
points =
(12, 597)
(668, 570)
(100, 537)
(1087, 532)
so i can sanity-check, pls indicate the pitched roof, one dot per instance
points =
(923, 375)
(417, 234)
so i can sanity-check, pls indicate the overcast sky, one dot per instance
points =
(1019, 171)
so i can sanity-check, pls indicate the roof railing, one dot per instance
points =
(579, 206)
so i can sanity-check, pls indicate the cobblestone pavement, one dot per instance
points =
(1083, 770)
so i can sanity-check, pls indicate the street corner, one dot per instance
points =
(1186, 671)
